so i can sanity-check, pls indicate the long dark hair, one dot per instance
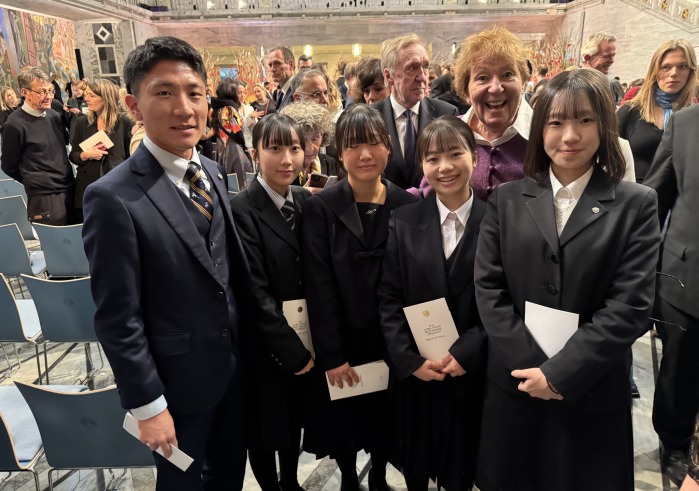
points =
(568, 95)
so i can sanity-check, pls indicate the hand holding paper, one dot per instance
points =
(371, 377)
(433, 328)
(429, 371)
(341, 375)
(178, 457)
(534, 382)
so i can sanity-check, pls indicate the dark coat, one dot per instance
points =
(91, 170)
(438, 423)
(440, 85)
(162, 336)
(343, 271)
(401, 173)
(603, 268)
(276, 397)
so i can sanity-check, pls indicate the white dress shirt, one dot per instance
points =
(521, 126)
(30, 110)
(453, 224)
(400, 122)
(566, 197)
(276, 198)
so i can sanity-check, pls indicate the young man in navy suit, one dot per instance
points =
(169, 277)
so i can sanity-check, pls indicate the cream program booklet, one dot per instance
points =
(96, 139)
(178, 457)
(551, 328)
(373, 377)
(296, 315)
(433, 328)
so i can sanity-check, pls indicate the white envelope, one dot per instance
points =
(296, 315)
(96, 139)
(373, 377)
(551, 328)
(433, 328)
(178, 457)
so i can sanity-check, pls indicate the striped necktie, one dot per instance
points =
(198, 192)
(289, 214)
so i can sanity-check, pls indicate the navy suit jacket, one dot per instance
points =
(401, 173)
(162, 313)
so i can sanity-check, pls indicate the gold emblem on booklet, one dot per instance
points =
(299, 310)
(426, 313)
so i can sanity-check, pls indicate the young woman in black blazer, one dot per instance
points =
(345, 232)
(571, 236)
(436, 403)
(270, 233)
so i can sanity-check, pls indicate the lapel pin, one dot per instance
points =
(595, 209)
(220, 176)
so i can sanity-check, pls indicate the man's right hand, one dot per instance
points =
(158, 431)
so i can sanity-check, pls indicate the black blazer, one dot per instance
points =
(408, 174)
(602, 268)
(162, 315)
(343, 271)
(675, 176)
(329, 166)
(440, 85)
(414, 271)
(274, 253)
(91, 170)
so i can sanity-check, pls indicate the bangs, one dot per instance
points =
(570, 103)
(280, 132)
(445, 134)
(357, 135)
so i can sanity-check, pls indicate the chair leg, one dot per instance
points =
(38, 363)
(36, 480)
(50, 479)
(46, 362)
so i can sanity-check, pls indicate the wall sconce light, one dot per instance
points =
(357, 50)
(453, 48)
(308, 50)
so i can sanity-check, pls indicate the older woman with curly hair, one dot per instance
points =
(491, 73)
(669, 87)
(316, 123)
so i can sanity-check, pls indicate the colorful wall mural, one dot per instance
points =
(35, 40)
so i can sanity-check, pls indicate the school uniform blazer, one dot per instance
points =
(338, 261)
(414, 271)
(401, 173)
(675, 176)
(602, 268)
(329, 166)
(162, 313)
(274, 253)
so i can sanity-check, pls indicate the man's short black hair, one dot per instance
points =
(142, 59)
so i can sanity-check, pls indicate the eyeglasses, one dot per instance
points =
(43, 92)
(315, 95)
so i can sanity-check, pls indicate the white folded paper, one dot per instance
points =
(433, 328)
(551, 328)
(98, 138)
(373, 377)
(178, 457)
(296, 315)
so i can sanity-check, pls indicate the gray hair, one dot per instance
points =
(391, 47)
(591, 45)
(26, 77)
(300, 77)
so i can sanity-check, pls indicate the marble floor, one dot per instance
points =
(68, 364)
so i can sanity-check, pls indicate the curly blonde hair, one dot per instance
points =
(494, 43)
(311, 117)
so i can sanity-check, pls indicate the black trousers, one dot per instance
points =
(49, 209)
(677, 388)
(215, 439)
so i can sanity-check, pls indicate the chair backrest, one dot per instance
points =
(83, 430)
(66, 309)
(4, 176)
(14, 210)
(8, 460)
(249, 176)
(10, 187)
(14, 258)
(233, 185)
(63, 249)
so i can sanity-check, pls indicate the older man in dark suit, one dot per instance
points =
(169, 276)
(405, 64)
(675, 176)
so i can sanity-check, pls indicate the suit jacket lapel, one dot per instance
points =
(162, 192)
(589, 209)
(541, 208)
(343, 205)
(428, 247)
(460, 277)
(270, 214)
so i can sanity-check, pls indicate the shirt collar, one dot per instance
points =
(276, 198)
(287, 84)
(398, 110)
(172, 164)
(30, 110)
(576, 188)
(462, 213)
(521, 126)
